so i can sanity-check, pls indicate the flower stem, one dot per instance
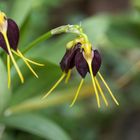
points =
(75, 29)
(38, 40)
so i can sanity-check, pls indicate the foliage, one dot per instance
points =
(24, 115)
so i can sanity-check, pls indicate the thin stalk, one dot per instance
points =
(75, 29)
(38, 40)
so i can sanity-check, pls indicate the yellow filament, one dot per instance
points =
(101, 91)
(33, 62)
(68, 76)
(8, 70)
(110, 92)
(12, 58)
(55, 85)
(77, 93)
(94, 85)
(28, 65)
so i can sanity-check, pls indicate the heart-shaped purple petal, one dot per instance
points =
(96, 62)
(13, 34)
(81, 64)
(67, 61)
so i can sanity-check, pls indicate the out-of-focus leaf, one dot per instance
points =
(4, 91)
(96, 28)
(7, 136)
(20, 10)
(47, 75)
(36, 124)
(57, 98)
(136, 4)
(3, 6)
(124, 32)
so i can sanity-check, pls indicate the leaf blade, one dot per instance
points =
(36, 124)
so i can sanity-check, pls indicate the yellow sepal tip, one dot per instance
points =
(101, 91)
(68, 76)
(94, 85)
(54, 86)
(8, 71)
(77, 93)
(109, 90)
(12, 57)
(31, 61)
(28, 65)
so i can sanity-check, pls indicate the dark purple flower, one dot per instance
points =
(74, 57)
(12, 35)
(9, 37)
(82, 65)
(67, 61)
(85, 60)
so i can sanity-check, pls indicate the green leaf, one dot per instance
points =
(58, 97)
(96, 27)
(20, 10)
(4, 91)
(36, 124)
(47, 75)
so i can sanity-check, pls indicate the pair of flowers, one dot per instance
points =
(79, 54)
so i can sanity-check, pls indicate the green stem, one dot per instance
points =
(38, 40)
(76, 29)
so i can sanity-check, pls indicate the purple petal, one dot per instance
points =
(2, 42)
(13, 34)
(67, 61)
(96, 62)
(81, 64)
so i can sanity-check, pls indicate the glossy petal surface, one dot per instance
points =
(81, 64)
(67, 61)
(13, 34)
(96, 62)
(2, 42)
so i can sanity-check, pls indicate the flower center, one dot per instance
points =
(88, 55)
(3, 22)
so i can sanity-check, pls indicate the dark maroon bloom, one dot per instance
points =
(74, 57)
(80, 54)
(82, 66)
(67, 61)
(12, 35)
(9, 37)
(2, 42)
(96, 62)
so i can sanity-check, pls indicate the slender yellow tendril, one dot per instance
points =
(8, 71)
(12, 57)
(31, 61)
(68, 76)
(54, 86)
(110, 92)
(94, 85)
(77, 93)
(101, 91)
(28, 65)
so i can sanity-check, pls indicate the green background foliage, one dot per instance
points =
(115, 33)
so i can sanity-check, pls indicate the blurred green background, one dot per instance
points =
(113, 26)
